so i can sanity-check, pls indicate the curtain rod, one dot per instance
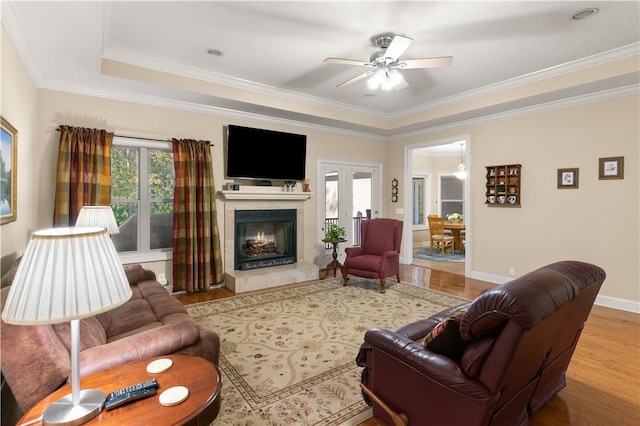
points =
(148, 139)
(141, 138)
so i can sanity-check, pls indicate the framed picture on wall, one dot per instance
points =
(568, 178)
(611, 168)
(8, 172)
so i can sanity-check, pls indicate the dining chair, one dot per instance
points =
(437, 235)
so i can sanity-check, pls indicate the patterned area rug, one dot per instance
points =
(288, 355)
(437, 256)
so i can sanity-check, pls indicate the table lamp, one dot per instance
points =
(67, 274)
(101, 216)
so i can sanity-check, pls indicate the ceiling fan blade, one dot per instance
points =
(397, 47)
(443, 61)
(346, 61)
(356, 78)
(400, 83)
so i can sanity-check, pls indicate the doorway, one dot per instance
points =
(431, 187)
(348, 193)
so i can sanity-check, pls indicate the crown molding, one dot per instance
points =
(545, 74)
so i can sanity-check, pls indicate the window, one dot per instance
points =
(419, 196)
(142, 183)
(451, 195)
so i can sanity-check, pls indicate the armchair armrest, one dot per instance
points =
(162, 340)
(431, 366)
(354, 251)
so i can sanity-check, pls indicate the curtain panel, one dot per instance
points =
(83, 175)
(197, 260)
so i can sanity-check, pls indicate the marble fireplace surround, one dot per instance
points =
(264, 198)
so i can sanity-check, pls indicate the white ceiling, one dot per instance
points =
(278, 47)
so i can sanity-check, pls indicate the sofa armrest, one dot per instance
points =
(157, 341)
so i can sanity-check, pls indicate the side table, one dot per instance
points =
(197, 374)
(334, 264)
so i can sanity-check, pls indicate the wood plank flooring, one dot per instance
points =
(603, 379)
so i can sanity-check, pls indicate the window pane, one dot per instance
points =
(452, 188)
(124, 174)
(161, 225)
(161, 175)
(418, 201)
(127, 218)
(449, 207)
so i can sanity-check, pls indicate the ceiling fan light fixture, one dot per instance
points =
(378, 78)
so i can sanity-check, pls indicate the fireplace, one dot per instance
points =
(264, 200)
(264, 238)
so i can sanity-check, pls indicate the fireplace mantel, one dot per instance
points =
(254, 195)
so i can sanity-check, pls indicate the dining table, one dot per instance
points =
(456, 227)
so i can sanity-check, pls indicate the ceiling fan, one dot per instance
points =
(385, 63)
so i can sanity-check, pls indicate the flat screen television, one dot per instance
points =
(265, 154)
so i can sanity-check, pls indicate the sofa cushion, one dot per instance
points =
(8, 277)
(91, 333)
(445, 338)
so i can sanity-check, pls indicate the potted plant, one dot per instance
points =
(333, 232)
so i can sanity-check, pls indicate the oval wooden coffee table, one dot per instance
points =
(197, 374)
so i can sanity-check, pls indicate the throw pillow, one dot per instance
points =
(445, 338)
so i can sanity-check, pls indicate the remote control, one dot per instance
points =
(153, 383)
(128, 397)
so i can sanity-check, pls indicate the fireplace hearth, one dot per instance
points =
(264, 238)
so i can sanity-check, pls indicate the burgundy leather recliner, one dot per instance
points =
(519, 336)
(378, 255)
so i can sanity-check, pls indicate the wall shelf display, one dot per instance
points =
(503, 185)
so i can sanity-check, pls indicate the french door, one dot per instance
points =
(348, 193)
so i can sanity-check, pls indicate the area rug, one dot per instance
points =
(437, 256)
(288, 355)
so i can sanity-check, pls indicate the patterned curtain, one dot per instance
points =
(197, 260)
(83, 175)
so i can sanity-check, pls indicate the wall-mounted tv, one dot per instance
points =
(265, 154)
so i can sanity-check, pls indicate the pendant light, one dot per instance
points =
(461, 173)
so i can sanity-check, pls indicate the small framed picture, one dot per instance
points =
(611, 168)
(8, 172)
(568, 178)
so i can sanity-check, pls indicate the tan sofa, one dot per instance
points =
(36, 360)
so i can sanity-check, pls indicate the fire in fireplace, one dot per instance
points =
(264, 238)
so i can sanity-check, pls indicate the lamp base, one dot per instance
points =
(64, 413)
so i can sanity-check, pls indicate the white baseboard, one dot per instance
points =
(620, 304)
(606, 301)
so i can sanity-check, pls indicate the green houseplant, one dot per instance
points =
(334, 232)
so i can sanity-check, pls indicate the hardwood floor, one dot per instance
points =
(603, 379)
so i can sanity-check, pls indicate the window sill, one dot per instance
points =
(152, 256)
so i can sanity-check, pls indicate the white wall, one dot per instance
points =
(18, 99)
(596, 223)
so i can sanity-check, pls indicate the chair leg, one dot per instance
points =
(344, 278)
(398, 419)
(383, 281)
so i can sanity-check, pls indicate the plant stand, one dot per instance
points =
(334, 264)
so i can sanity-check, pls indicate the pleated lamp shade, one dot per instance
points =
(101, 216)
(66, 274)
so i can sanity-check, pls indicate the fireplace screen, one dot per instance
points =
(264, 238)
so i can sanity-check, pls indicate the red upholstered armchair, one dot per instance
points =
(379, 254)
